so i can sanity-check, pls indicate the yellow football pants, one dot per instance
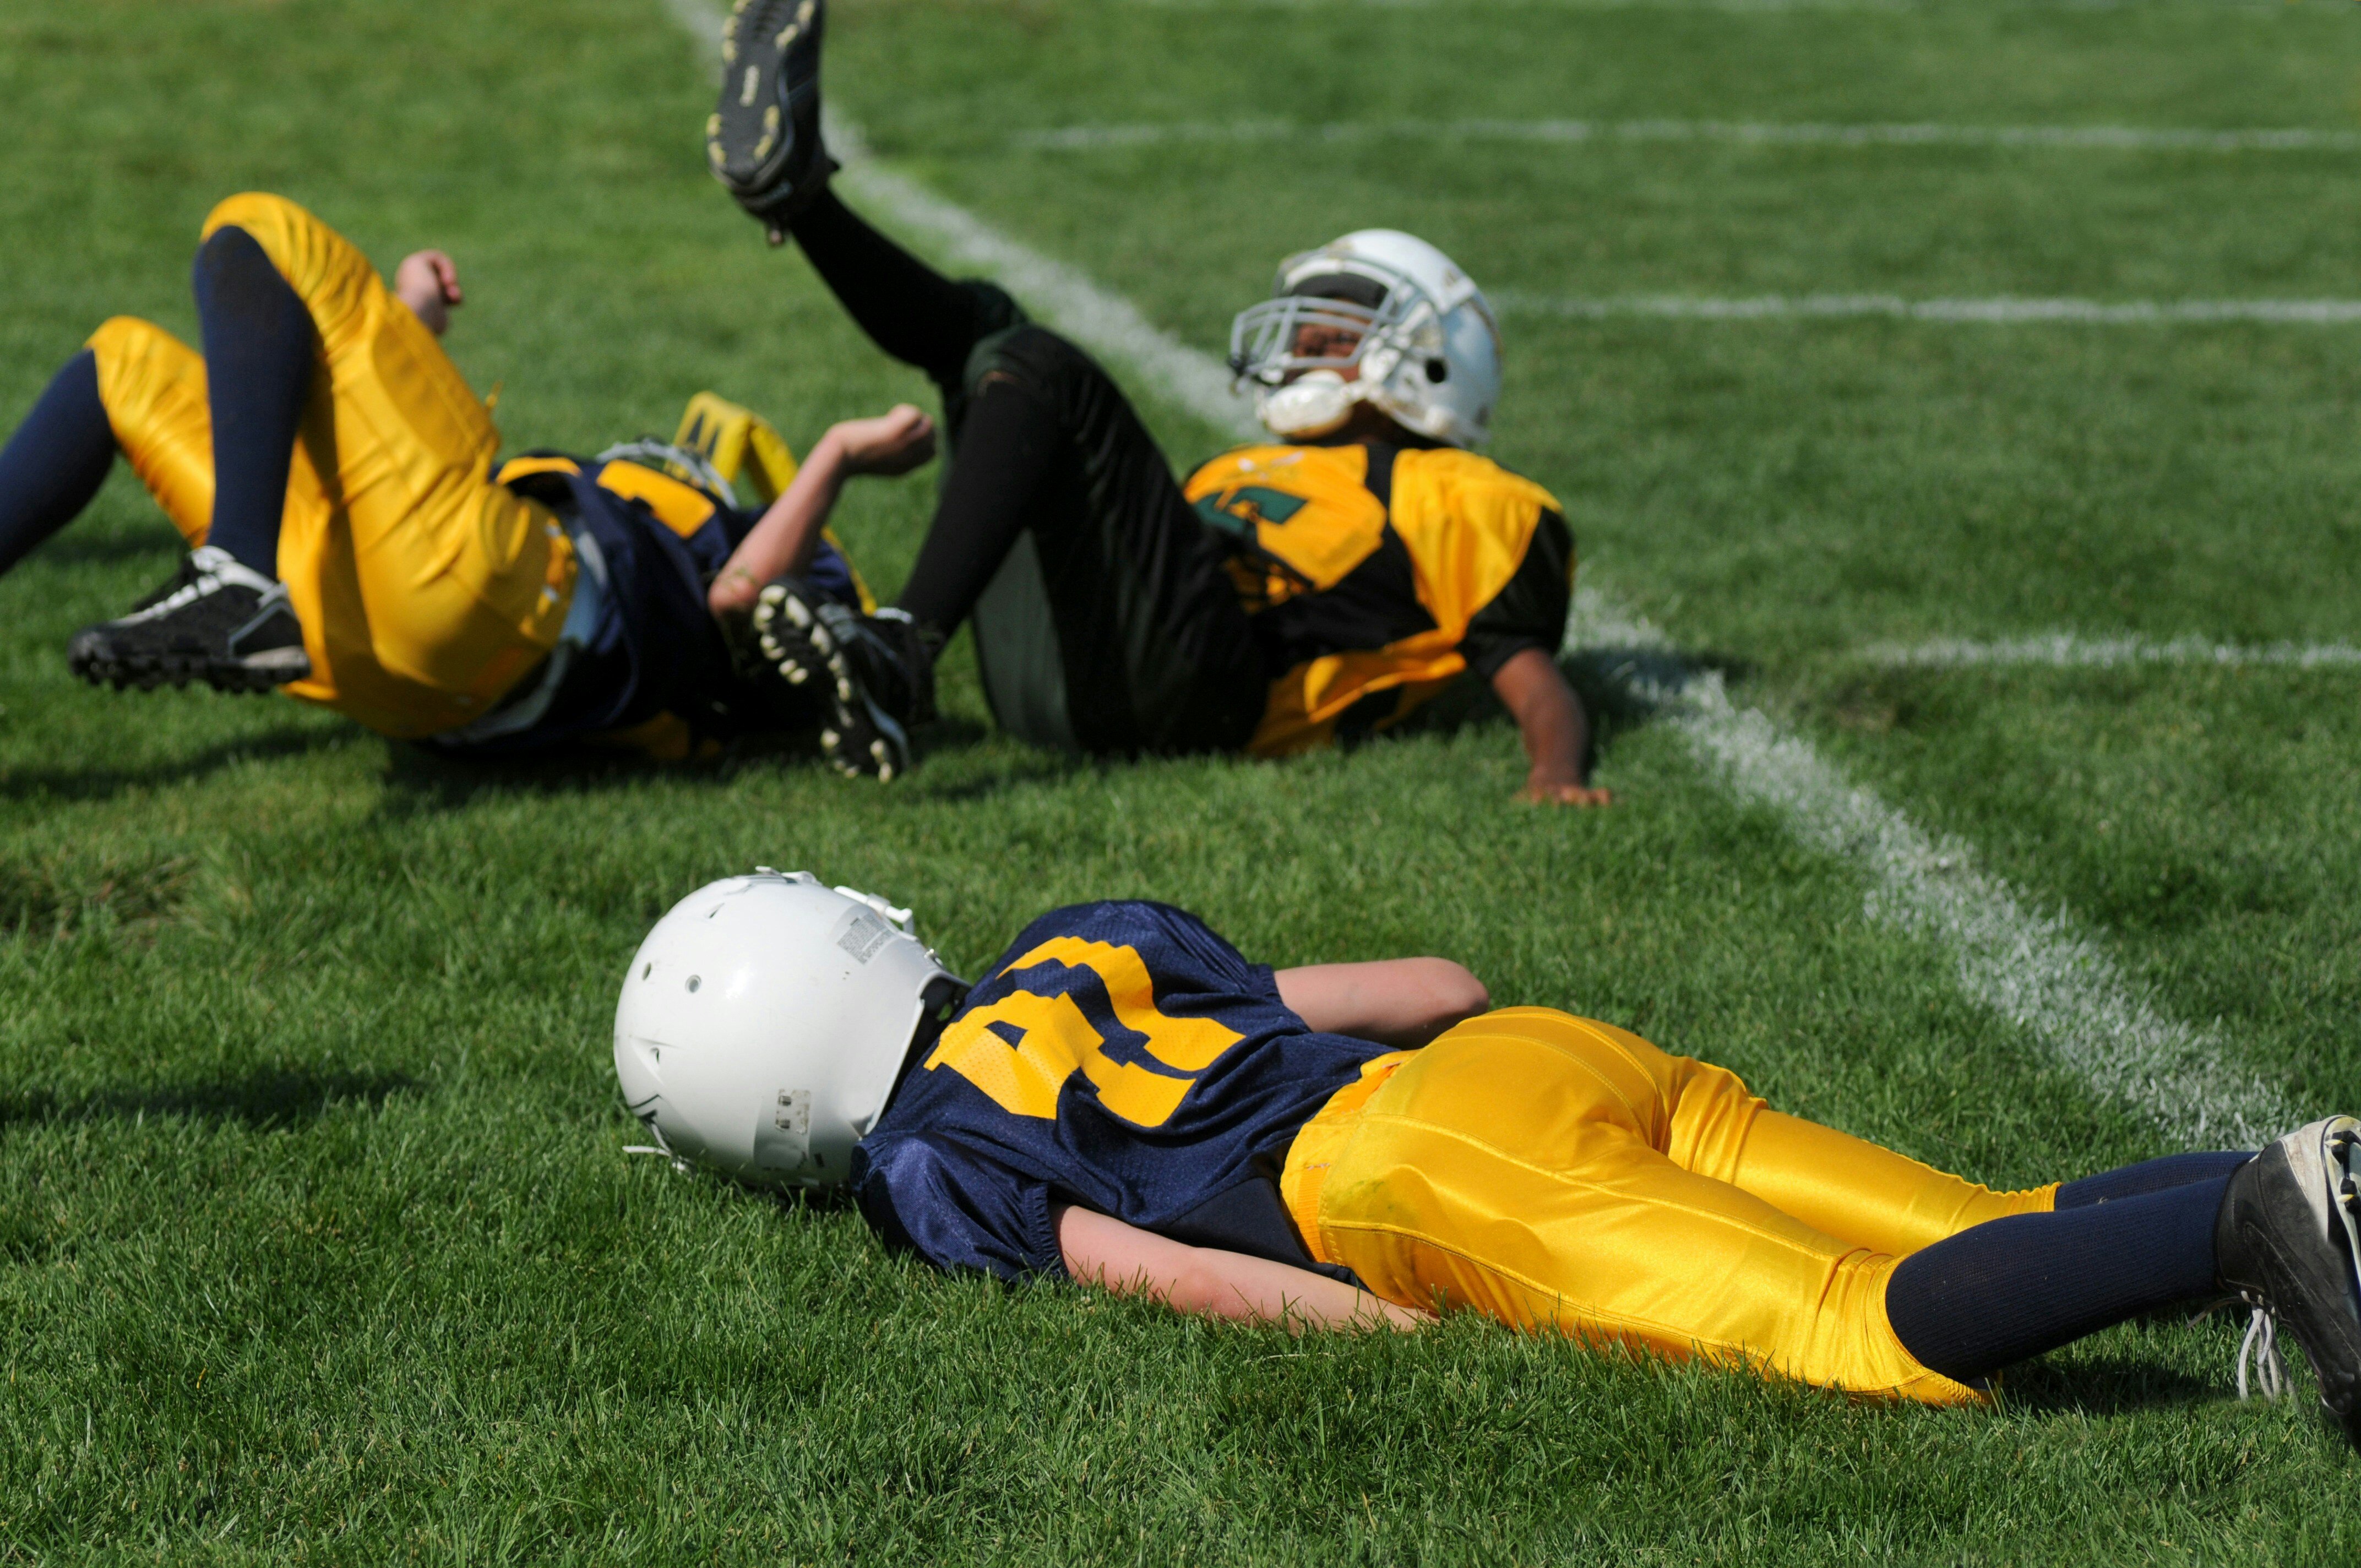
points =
(1553, 1172)
(425, 591)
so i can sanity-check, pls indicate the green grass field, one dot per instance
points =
(316, 1243)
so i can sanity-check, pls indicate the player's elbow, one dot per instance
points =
(1453, 994)
(1200, 1289)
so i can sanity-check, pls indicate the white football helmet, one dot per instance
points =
(1416, 330)
(765, 1021)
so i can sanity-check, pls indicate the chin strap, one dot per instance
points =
(680, 1165)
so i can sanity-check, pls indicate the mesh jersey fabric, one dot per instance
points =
(1120, 1056)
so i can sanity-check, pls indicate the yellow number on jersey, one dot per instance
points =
(1055, 1041)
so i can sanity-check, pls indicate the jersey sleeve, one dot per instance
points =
(1530, 610)
(956, 1209)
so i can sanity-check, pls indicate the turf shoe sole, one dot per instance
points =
(2287, 1241)
(217, 622)
(811, 640)
(763, 136)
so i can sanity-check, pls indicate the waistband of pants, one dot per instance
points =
(1324, 1138)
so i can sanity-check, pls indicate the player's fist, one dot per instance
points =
(893, 442)
(428, 283)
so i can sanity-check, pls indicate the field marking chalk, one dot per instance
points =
(2065, 651)
(2230, 7)
(2004, 310)
(2039, 971)
(2096, 138)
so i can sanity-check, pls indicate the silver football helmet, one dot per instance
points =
(1380, 317)
(765, 1021)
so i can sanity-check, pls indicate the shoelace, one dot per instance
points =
(2261, 1346)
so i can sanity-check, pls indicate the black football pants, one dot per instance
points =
(1104, 619)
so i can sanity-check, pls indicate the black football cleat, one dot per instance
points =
(764, 138)
(2285, 1243)
(875, 672)
(218, 621)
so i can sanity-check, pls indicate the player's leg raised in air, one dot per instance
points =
(1364, 1143)
(349, 539)
(1116, 610)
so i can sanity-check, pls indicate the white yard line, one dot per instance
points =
(2065, 651)
(2001, 310)
(2039, 971)
(2095, 138)
(2234, 7)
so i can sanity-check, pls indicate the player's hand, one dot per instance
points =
(428, 283)
(893, 442)
(1563, 792)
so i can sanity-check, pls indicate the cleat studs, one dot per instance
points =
(797, 674)
(799, 613)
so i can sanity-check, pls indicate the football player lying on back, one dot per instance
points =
(1127, 1102)
(350, 540)
(1286, 595)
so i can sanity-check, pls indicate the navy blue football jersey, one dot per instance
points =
(1120, 1055)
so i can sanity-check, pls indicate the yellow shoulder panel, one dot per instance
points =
(681, 507)
(1308, 507)
(1466, 522)
(517, 468)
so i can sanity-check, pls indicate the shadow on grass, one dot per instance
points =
(2105, 1386)
(266, 1100)
(94, 783)
(103, 547)
(423, 780)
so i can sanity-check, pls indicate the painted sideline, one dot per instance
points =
(2037, 971)
(2004, 310)
(2097, 139)
(2234, 7)
(2065, 651)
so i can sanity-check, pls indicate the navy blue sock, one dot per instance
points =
(2149, 1175)
(259, 350)
(2006, 1289)
(56, 461)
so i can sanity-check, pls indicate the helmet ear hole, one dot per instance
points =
(1438, 369)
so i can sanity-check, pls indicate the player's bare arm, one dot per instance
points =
(428, 283)
(893, 443)
(1555, 729)
(1208, 1282)
(1403, 1003)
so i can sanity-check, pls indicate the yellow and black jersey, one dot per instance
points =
(1376, 574)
